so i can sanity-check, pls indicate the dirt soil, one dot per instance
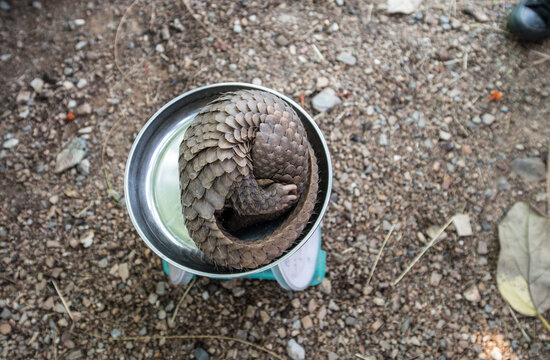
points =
(414, 141)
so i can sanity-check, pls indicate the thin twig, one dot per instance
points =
(124, 74)
(518, 324)
(339, 117)
(318, 52)
(182, 298)
(103, 150)
(369, 12)
(423, 251)
(319, 116)
(63, 301)
(544, 58)
(217, 337)
(464, 130)
(379, 254)
(5, 278)
(361, 356)
(544, 322)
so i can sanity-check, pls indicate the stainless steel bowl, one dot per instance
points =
(151, 183)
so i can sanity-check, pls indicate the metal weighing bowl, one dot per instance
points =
(151, 182)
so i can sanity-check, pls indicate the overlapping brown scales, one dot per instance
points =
(242, 150)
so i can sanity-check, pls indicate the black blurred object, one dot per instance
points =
(530, 20)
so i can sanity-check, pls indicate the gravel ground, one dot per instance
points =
(414, 140)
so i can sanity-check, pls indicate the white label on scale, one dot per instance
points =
(297, 271)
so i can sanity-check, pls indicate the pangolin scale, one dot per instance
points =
(247, 151)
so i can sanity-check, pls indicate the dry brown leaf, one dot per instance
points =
(523, 272)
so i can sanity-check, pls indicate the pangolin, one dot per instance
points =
(246, 159)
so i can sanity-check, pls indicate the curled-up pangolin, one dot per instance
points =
(246, 154)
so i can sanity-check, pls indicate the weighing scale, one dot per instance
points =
(152, 194)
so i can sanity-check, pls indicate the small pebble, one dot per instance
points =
(80, 45)
(123, 271)
(435, 278)
(23, 97)
(37, 84)
(383, 140)
(84, 167)
(487, 119)
(103, 263)
(152, 298)
(201, 354)
(115, 333)
(346, 58)
(161, 288)
(5, 329)
(295, 350)
(476, 13)
(325, 100)
(11, 143)
(333, 28)
(531, 170)
(325, 286)
(238, 292)
(482, 248)
(462, 225)
(472, 294)
(322, 82)
(281, 40)
(165, 33)
(443, 135)
(81, 83)
(178, 25)
(307, 323)
(496, 354)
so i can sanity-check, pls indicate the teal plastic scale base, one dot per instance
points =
(318, 276)
(304, 268)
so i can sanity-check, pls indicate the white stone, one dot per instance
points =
(80, 45)
(295, 350)
(462, 225)
(37, 84)
(402, 6)
(472, 294)
(346, 58)
(443, 135)
(333, 28)
(10, 143)
(82, 83)
(496, 354)
(123, 271)
(488, 119)
(87, 239)
(68, 85)
(325, 100)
